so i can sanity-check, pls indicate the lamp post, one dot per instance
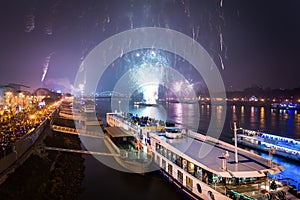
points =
(235, 143)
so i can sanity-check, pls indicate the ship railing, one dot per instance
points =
(241, 189)
(253, 190)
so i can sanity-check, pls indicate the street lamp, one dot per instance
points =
(235, 143)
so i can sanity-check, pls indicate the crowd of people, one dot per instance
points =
(145, 121)
(15, 125)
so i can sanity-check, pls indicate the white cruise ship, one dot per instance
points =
(222, 174)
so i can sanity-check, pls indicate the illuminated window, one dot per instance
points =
(189, 183)
(184, 164)
(191, 168)
(180, 176)
(198, 173)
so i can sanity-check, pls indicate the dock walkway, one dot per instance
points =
(75, 131)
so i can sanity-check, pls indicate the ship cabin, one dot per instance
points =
(173, 132)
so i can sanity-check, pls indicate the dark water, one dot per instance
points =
(101, 180)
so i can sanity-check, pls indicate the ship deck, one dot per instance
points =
(211, 155)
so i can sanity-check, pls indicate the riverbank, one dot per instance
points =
(48, 175)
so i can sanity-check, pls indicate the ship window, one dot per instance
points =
(180, 176)
(170, 169)
(173, 157)
(215, 178)
(211, 195)
(169, 153)
(178, 161)
(198, 173)
(207, 176)
(184, 164)
(163, 164)
(161, 149)
(165, 152)
(189, 183)
(191, 168)
(199, 188)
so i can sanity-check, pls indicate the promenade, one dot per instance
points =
(51, 174)
(16, 126)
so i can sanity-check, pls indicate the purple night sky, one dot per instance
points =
(257, 41)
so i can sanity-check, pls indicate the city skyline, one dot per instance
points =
(43, 44)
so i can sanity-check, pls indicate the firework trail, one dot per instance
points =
(46, 66)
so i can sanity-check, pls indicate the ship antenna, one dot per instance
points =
(235, 143)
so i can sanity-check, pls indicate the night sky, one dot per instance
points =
(252, 42)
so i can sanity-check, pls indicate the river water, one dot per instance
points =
(101, 180)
